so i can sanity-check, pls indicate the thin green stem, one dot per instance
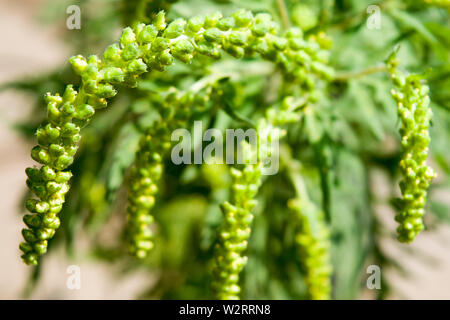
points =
(293, 168)
(347, 75)
(283, 14)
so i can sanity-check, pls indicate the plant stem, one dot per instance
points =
(293, 169)
(283, 13)
(347, 75)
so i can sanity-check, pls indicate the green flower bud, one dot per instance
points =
(113, 74)
(25, 247)
(131, 51)
(53, 113)
(84, 111)
(69, 129)
(40, 247)
(212, 19)
(112, 53)
(56, 99)
(212, 35)
(47, 173)
(33, 174)
(160, 44)
(225, 24)
(242, 18)
(160, 21)
(29, 236)
(30, 204)
(165, 58)
(94, 61)
(67, 110)
(297, 44)
(127, 37)
(63, 161)
(260, 29)
(136, 67)
(55, 150)
(238, 38)
(99, 102)
(294, 33)
(208, 49)
(51, 222)
(235, 51)
(69, 94)
(182, 46)
(104, 91)
(40, 155)
(148, 34)
(63, 177)
(90, 86)
(196, 23)
(44, 233)
(78, 64)
(174, 29)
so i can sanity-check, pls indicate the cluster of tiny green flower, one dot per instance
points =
(234, 232)
(313, 241)
(57, 146)
(414, 113)
(235, 229)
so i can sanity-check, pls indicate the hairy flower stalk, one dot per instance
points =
(414, 114)
(144, 48)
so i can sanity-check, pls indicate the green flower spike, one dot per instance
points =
(414, 114)
(147, 170)
(235, 230)
(313, 242)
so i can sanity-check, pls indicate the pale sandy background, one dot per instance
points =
(27, 48)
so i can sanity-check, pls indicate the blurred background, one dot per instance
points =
(34, 41)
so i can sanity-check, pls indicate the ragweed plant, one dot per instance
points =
(151, 46)
(309, 74)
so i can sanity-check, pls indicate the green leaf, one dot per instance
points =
(411, 21)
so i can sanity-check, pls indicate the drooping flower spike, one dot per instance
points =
(146, 172)
(229, 255)
(313, 241)
(411, 95)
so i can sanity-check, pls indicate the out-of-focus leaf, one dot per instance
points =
(121, 156)
(410, 21)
